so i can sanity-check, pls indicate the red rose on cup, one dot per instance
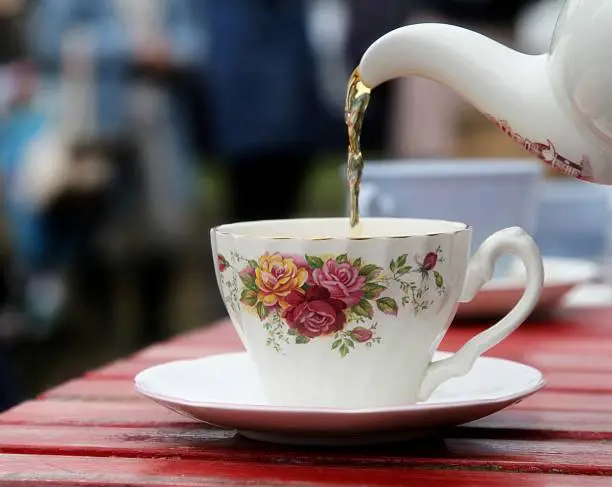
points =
(314, 313)
(361, 334)
(341, 280)
(222, 263)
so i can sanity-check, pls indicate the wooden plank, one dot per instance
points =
(166, 352)
(510, 423)
(581, 323)
(514, 349)
(596, 322)
(521, 424)
(103, 389)
(567, 362)
(64, 471)
(570, 457)
(94, 413)
(94, 390)
(567, 401)
(546, 362)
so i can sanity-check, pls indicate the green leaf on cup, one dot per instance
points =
(301, 340)
(357, 262)
(314, 262)
(372, 290)
(262, 310)
(404, 270)
(292, 332)
(364, 309)
(336, 344)
(253, 264)
(248, 280)
(369, 271)
(387, 306)
(248, 297)
(342, 258)
(401, 260)
(439, 279)
(392, 265)
(344, 350)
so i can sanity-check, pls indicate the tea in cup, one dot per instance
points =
(333, 320)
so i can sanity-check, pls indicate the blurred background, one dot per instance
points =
(129, 127)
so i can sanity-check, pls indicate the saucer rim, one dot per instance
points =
(272, 409)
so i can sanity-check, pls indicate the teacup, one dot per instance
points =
(336, 321)
(488, 194)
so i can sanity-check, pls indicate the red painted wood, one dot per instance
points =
(168, 351)
(555, 430)
(511, 423)
(567, 401)
(94, 390)
(571, 457)
(94, 413)
(21, 470)
(596, 322)
(526, 424)
(546, 362)
(102, 389)
(567, 362)
(513, 348)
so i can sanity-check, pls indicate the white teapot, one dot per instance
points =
(558, 106)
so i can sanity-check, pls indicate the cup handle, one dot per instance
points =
(372, 200)
(512, 240)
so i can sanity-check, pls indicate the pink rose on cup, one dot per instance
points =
(314, 313)
(341, 280)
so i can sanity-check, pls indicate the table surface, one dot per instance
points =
(96, 430)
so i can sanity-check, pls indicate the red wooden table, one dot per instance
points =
(96, 431)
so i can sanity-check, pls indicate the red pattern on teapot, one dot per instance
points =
(546, 152)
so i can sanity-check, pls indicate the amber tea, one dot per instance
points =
(357, 99)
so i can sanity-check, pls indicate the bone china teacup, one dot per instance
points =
(336, 321)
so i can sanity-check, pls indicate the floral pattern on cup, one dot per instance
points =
(303, 298)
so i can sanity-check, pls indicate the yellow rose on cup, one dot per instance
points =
(276, 276)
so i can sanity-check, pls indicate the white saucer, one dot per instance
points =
(500, 295)
(224, 390)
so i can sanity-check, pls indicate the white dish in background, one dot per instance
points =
(561, 277)
(224, 390)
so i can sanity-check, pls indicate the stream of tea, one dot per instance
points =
(356, 104)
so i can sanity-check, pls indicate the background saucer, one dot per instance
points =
(499, 295)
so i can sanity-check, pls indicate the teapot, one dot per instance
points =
(557, 106)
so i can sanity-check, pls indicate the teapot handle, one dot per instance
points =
(510, 240)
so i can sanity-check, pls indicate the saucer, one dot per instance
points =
(225, 391)
(561, 275)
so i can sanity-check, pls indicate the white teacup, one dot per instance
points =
(337, 321)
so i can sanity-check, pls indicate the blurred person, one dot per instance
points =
(16, 85)
(264, 102)
(130, 127)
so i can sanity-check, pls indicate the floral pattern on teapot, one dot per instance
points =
(303, 298)
(546, 152)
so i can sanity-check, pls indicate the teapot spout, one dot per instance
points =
(511, 88)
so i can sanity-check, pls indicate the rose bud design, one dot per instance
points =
(361, 334)
(222, 263)
(430, 261)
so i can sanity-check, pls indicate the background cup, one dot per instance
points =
(574, 220)
(487, 194)
(335, 321)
